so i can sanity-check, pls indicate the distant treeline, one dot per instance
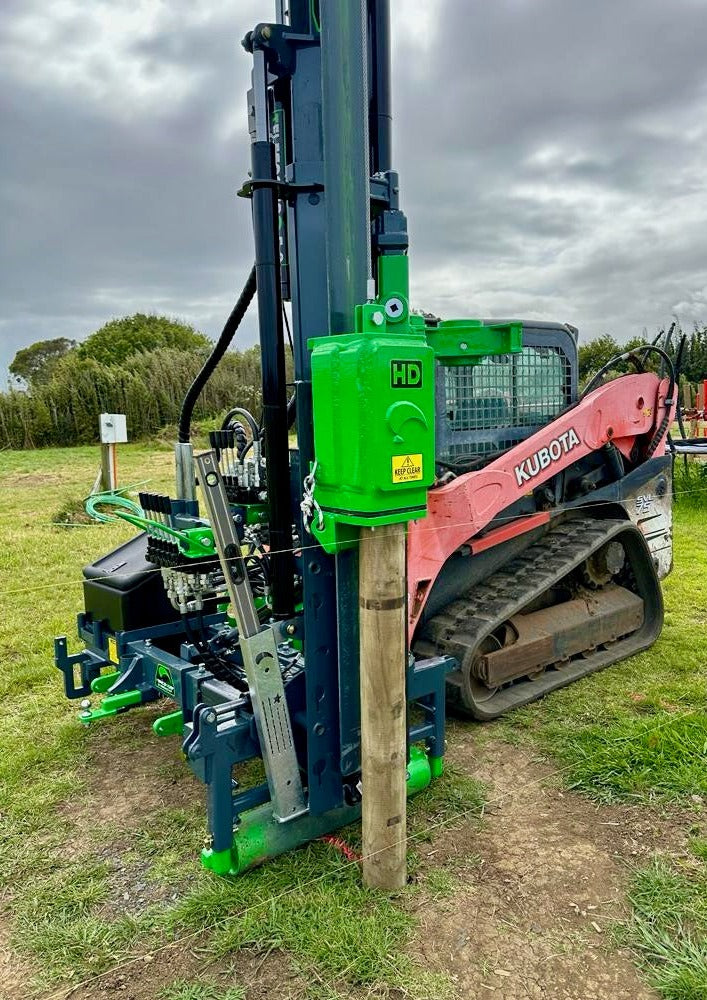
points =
(148, 387)
(142, 365)
(598, 352)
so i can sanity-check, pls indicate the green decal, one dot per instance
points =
(163, 680)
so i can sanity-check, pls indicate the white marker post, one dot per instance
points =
(114, 431)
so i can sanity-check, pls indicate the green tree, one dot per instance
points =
(33, 365)
(694, 364)
(598, 352)
(138, 334)
(595, 354)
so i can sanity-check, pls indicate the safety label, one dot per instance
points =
(407, 468)
(112, 649)
(163, 680)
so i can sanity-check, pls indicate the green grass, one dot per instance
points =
(440, 883)
(67, 915)
(42, 751)
(638, 730)
(315, 908)
(664, 757)
(638, 733)
(668, 929)
(182, 989)
(634, 733)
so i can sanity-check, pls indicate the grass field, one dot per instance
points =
(101, 828)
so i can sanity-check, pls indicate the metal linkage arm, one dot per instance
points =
(259, 650)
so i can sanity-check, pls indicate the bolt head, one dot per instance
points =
(394, 307)
(210, 717)
(85, 703)
(291, 629)
(378, 318)
(464, 346)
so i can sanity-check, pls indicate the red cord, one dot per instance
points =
(342, 846)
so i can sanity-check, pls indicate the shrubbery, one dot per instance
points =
(149, 388)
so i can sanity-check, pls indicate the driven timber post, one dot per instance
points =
(381, 576)
(383, 721)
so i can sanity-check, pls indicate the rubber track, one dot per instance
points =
(462, 627)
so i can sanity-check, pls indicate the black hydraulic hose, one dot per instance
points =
(220, 668)
(669, 400)
(239, 411)
(596, 379)
(678, 372)
(222, 344)
(289, 331)
(629, 356)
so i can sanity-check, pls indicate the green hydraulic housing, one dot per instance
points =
(374, 407)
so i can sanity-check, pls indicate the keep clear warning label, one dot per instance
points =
(407, 468)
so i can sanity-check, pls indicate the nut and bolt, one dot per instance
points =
(291, 629)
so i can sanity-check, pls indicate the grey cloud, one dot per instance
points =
(551, 157)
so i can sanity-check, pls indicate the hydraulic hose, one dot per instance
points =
(669, 399)
(220, 668)
(222, 344)
(631, 355)
(239, 411)
(678, 372)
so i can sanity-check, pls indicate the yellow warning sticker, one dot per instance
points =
(407, 468)
(112, 649)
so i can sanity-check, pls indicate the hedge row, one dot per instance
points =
(148, 388)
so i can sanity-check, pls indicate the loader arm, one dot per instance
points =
(620, 412)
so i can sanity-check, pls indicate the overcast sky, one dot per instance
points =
(552, 153)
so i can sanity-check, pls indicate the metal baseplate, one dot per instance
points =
(259, 836)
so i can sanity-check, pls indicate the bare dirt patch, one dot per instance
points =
(32, 479)
(531, 920)
(15, 975)
(263, 977)
(127, 782)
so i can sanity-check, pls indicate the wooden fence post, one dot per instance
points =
(113, 429)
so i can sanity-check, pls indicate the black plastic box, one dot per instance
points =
(125, 591)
